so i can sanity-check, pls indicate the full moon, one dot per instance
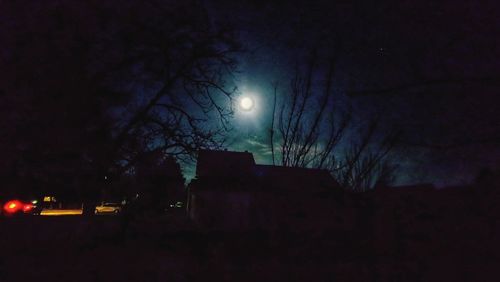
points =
(246, 103)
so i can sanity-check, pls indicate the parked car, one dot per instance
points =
(108, 208)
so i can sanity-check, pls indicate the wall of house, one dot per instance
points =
(221, 209)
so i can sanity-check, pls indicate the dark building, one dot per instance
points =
(232, 165)
(230, 191)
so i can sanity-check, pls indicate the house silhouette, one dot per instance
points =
(231, 191)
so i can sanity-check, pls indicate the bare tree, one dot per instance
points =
(175, 64)
(364, 164)
(271, 133)
(311, 133)
(94, 87)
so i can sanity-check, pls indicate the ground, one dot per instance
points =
(170, 248)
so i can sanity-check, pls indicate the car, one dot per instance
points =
(108, 208)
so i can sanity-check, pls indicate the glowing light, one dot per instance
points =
(27, 207)
(54, 212)
(12, 206)
(247, 103)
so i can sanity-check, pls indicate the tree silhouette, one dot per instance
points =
(87, 88)
(180, 64)
(321, 134)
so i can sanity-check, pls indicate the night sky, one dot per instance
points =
(429, 70)
(451, 127)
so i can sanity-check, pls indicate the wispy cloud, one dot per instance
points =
(256, 143)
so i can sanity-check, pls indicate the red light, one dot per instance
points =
(12, 206)
(27, 207)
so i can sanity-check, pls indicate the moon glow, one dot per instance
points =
(247, 103)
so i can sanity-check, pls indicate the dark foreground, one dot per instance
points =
(170, 249)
